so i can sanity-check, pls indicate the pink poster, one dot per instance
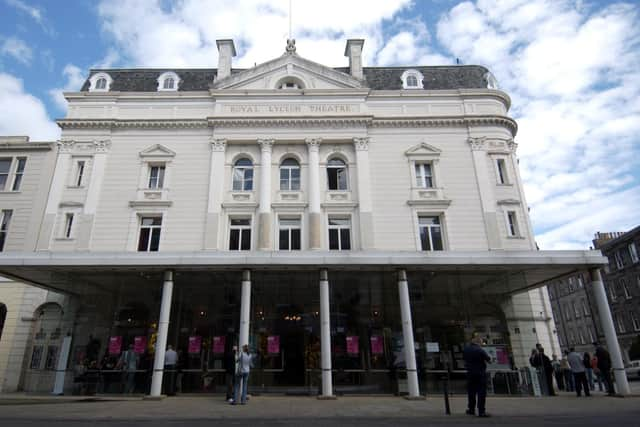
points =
(376, 344)
(218, 344)
(115, 345)
(195, 343)
(501, 355)
(352, 344)
(139, 344)
(273, 344)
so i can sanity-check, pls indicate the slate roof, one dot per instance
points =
(377, 78)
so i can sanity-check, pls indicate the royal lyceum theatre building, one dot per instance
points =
(353, 225)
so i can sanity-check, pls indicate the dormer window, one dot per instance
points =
(492, 82)
(168, 81)
(100, 82)
(290, 83)
(412, 79)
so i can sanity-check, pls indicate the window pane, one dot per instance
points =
(248, 179)
(342, 179)
(144, 239)
(17, 182)
(284, 179)
(5, 165)
(332, 179)
(234, 240)
(295, 179)
(333, 239)
(238, 175)
(424, 239)
(284, 240)
(246, 240)
(155, 240)
(345, 238)
(289, 162)
(3, 237)
(295, 239)
(339, 221)
(160, 177)
(241, 221)
(436, 238)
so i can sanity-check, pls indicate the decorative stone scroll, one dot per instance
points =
(266, 144)
(102, 146)
(477, 143)
(313, 143)
(361, 144)
(218, 144)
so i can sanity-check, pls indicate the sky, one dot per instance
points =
(572, 69)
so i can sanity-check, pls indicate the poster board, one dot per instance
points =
(115, 345)
(353, 345)
(218, 344)
(195, 343)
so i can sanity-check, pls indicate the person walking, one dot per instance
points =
(596, 372)
(475, 361)
(566, 371)
(230, 371)
(557, 372)
(129, 364)
(576, 361)
(586, 360)
(170, 365)
(604, 365)
(242, 376)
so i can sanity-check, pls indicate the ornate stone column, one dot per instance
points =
(264, 210)
(315, 216)
(364, 192)
(487, 197)
(216, 190)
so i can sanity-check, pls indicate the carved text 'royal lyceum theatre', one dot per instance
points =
(292, 108)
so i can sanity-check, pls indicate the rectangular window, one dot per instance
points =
(625, 289)
(36, 357)
(619, 319)
(4, 226)
(581, 336)
(79, 172)
(512, 224)
(592, 337)
(5, 167)
(424, 175)
(501, 169)
(580, 282)
(572, 337)
(240, 234)
(567, 312)
(635, 320)
(619, 260)
(68, 225)
(430, 233)
(339, 233)
(17, 179)
(576, 311)
(52, 357)
(156, 177)
(612, 291)
(633, 252)
(585, 308)
(571, 285)
(150, 227)
(289, 238)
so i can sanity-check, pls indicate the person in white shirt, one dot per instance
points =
(579, 375)
(170, 364)
(242, 375)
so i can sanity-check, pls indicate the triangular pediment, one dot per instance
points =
(289, 66)
(157, 151)
(422, 149)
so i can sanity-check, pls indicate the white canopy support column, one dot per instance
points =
(315, 221)
(608, 327)
(163, 329)
(407, 335)
(325, 337)
(245, 308)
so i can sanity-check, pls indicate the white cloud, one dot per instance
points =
(75, 77)
(574, 77)
(22, 113)
(17, 49)
(33, 12)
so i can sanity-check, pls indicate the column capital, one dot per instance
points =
(313, 143)
(218, 144)
(102, 146)
(266, 144)
(477, 144)
(361, 144)
(66, 145)
(512, 146)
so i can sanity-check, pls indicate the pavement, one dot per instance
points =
(272, 410)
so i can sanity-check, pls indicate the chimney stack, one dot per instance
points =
(354, 51)
(226, 51)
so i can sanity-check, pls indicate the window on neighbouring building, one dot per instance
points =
(634, 320)
(430, 233)
(289, 234)
(17, 178)
(585, 308)
(5, 168)
(580, 282)
(4, 226)
(572, 337)
(424, 175)
(571, 285)
(150, 228)
(633, 252)
(567, 312)
(625, 288)
(339, 233)
(592, 337)
(240, 234)
(512, 224)
(619, 261)
(289, 175)
(337, 175)
(156, 176)
(243, 175)
(501, 170)
(581, 336)
(576, 311)
(68, 225)
(619, 319)
(612, 291)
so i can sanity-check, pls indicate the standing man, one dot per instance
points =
(475, 361)
(230, 371)
(577, 368)
(242, 376)
(170, 365)
(604, 365)
(129, 364)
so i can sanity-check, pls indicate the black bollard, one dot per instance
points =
(447, 408)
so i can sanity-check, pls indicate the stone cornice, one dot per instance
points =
(72, 146)
(112, 124)
(26, 146)
(294, 122)
(405, 122)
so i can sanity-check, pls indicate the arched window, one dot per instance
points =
(289, 175)
(169, 83)
(337, 174)
(412, 81)
(290, 83)
(243, 175)
(101, 84)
